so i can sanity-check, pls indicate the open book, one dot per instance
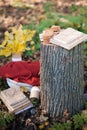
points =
(15, 99)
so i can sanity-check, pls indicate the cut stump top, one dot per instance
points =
(67, 38)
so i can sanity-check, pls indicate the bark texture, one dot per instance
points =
(61, 77)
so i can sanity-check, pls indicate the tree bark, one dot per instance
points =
(61, 77)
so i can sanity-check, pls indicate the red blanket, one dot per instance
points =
(22, 71)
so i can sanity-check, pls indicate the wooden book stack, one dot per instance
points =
(15, 99)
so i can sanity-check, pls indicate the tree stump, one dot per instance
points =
(61, 77)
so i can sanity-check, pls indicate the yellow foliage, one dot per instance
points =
(41, 126)
(21, 3)
(33, 48)
(15, 41)
(24, 89)
(46, 123)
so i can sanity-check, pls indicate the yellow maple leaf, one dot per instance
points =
(5, 52)
(16, 40)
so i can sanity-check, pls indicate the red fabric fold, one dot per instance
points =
(22, 71)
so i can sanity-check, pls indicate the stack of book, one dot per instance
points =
(15, 100)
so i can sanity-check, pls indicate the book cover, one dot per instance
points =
(13, 95)
(15, 99)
